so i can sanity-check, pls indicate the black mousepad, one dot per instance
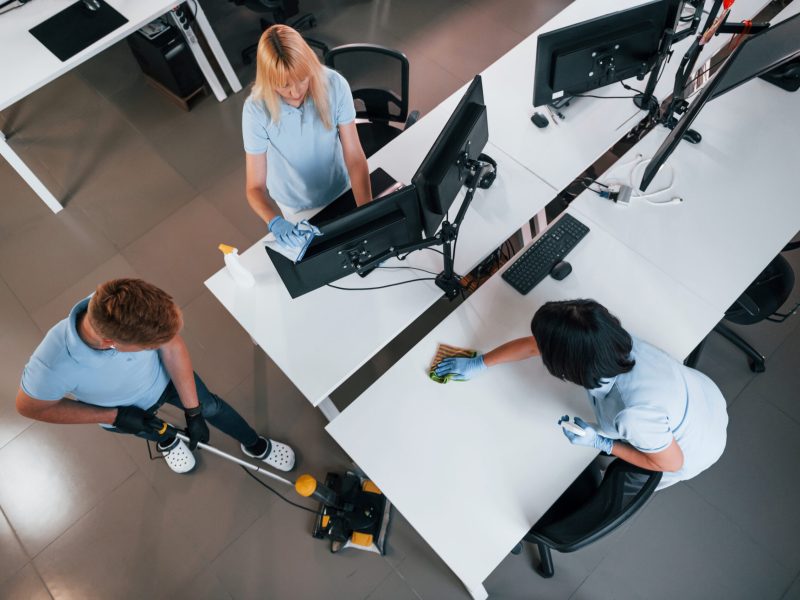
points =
(76, 27)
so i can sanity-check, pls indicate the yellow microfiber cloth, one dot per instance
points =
(444, 351)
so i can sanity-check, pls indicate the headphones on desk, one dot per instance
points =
(487, 180)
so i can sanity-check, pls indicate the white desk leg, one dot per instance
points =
(216, 49)
(328, 408)
(476, 590)
(200, 57)
(30, 178)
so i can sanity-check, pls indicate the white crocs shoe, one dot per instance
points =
(277, 455)
(178, 456)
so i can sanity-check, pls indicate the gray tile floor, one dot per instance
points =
(150, 192)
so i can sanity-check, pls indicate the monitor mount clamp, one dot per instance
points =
(679, 102)
(478, 175)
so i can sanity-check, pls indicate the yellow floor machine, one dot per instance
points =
(352, 511)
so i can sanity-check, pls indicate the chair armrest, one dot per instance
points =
(791, 246)
(749, 306)
(413, 117)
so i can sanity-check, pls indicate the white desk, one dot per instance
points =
(318, 340)
(33, 65)
(740, 203)
(473, 466)
(565, 148)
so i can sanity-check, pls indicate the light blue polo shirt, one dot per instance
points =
(64, 364)
(661, 399)
(305, 164)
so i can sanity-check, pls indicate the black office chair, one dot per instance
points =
(284, 12)
(379, 80)
(591, 509)
(760, 302)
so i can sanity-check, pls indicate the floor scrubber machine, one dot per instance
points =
(352, 511)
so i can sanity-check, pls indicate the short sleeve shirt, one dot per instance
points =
(643, 406)
(305, 163)
(659, 400)
(64, 365)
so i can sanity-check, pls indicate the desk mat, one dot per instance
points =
(76, 28)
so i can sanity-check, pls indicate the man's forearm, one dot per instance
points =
(178, 364)
(68, 412)
(518, 349)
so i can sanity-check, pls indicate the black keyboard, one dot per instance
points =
(553, 245)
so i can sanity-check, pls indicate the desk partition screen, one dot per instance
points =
(755, 56)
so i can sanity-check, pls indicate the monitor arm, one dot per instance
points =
(646, 100)
(678, 103)
(447, 280)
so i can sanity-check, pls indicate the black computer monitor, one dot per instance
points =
(445, 168)
(595, 53)
(755, 56)
(351, 239)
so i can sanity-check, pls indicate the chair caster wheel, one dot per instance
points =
(757, 366)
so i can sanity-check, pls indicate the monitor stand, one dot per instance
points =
(447, 280)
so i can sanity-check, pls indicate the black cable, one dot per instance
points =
(277, 494)
(412, 268)
(592, 180)
(602, 97)
(192, 12)
(380, 287)
(630, 89)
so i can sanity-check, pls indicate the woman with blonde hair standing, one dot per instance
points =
(300, 139)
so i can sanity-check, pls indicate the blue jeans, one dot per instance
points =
(215, 410)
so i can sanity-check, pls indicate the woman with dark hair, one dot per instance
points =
(650, 409)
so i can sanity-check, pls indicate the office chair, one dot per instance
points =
(375, 75)
(591, 509)
(759, 302)
(284, 12)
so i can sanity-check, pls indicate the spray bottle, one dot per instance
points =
(240, 274)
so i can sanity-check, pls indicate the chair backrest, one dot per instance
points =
(280, 9)
(624, 490)
(765, 295)
(378, 78)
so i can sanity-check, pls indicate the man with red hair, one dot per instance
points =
(116, 359)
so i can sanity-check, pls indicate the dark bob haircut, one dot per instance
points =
(581, 342)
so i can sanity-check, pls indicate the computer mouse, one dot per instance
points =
(692, 136)
(560, 270)
(91, 5)
(539, 120)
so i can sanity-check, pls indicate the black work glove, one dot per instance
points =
(196, 427)
(132, 419)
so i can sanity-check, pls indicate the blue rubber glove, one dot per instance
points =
(461, 369)
(286, 233)
(592, 439)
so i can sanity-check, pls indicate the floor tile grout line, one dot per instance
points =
(14, 532)
(44, 583)
(399, 574)
(88, 510)
(368, 595)
(755, 377)
(785, 594)
(742, 532)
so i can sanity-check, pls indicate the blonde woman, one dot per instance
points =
(300, 137)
